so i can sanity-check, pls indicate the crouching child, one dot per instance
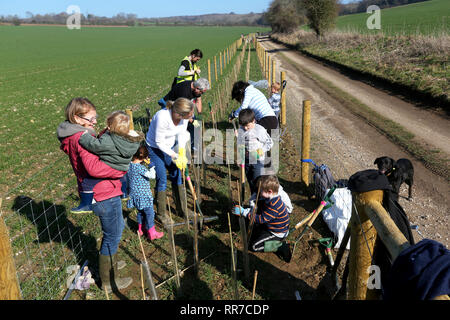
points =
(270, 221)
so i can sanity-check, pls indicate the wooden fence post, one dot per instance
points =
(283, 99)
(209, 73)
(274, 77)
(306, 138)
(220, 60)
(215, 68)
(269, 73)
(362, 241)
(130, 114)
(9, 284)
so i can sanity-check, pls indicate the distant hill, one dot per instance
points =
(211, 19)
(229, 19)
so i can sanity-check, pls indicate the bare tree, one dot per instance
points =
(321, 14)
(284, 15)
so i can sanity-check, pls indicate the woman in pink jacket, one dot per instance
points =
(81, 115)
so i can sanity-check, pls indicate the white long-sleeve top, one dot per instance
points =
(163, 133)
(257, 101)
(254, 139)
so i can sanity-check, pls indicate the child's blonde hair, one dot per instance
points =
(118, 122)
(276, 86)
(182, 106)
(269, 183)
(78, 107)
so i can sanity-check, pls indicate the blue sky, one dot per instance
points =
(149, 8)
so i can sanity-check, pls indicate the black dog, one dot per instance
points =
(397, 172)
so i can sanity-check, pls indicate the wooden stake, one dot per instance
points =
(142, 284)
(254, 213)
(215, 68)
(195, 237)
(172, 242)
(9, 284)
(254, 284)
(147, 271)
(306, 134)
(209, 73)
(129, 112)
(244, 242)
(233, 261)
(283, 99)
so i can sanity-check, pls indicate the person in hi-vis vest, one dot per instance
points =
(189, 69)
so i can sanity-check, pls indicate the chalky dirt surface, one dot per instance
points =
(347, 144)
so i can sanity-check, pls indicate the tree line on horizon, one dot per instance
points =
(131, 19)
(282, 16)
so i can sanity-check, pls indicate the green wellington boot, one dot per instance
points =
(109, 274)
(180, 200)
(161, 208)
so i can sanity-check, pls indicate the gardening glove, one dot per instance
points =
(181, 160)
(196, 124)
(152, 173)
(239, 210)
(258, 153)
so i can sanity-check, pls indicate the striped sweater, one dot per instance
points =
(257, 101)
(274, 215)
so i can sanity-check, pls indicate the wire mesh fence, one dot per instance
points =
(46, 239)
(44, 243)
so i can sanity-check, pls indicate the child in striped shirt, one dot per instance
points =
(275, 98)
(271, 221)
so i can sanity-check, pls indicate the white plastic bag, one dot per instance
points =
(261, 84)
(338, 215)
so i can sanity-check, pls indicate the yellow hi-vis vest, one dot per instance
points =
(189, 77)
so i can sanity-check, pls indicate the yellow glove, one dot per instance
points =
(196, 124)
(259, 152)
(181, 161)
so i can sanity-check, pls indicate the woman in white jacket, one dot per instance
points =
(168, 128)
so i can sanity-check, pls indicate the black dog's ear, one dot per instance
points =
(377, 160)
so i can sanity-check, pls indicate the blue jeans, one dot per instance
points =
(162, 163)
(146, 216)
(110, 213)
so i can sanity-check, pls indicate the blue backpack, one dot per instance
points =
(322, 179)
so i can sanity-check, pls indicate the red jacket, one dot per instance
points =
(86, 164)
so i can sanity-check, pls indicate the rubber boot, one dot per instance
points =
(153, 234)
(284, 252)
(108, 274)
(140, 230)
(85, 203)
(161, 207)
(180, 200)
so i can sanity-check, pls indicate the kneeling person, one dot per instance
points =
(271, 220)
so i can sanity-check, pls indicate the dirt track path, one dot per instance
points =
(348, 145)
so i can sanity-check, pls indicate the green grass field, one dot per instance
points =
(428, 18)
(44, 67)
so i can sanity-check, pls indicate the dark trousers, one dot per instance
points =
(260, 235)
(268, 123)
